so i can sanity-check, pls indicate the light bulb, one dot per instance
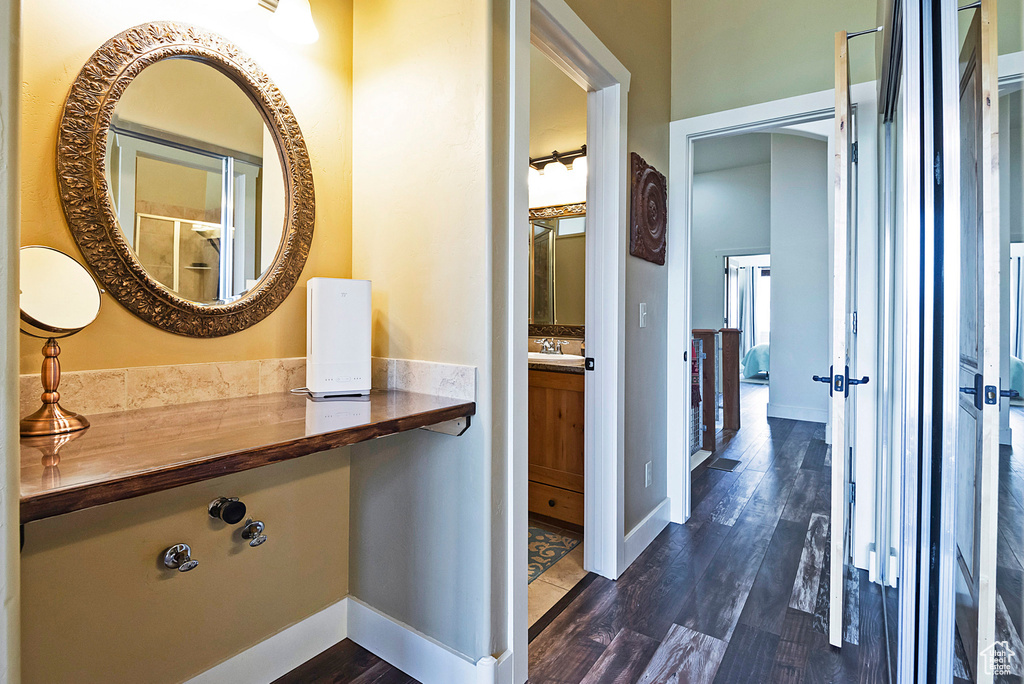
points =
(294, 20)
(580, 166)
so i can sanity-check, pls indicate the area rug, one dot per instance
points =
(546, 549)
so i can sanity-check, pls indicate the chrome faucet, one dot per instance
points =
(548, 346)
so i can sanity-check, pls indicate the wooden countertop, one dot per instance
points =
(132, 453)
(577, 369)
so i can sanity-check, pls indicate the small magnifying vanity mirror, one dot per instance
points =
(58, 298)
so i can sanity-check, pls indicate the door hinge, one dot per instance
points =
(588, 363)
(853, 492)
(853, 153)
(854, 323)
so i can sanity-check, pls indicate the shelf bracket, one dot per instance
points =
(455, 428)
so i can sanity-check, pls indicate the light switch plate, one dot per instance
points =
(648, 476)
(643, 314)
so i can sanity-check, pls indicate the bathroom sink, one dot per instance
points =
(556, 359)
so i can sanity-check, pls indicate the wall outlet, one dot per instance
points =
(643, 314)
(648, 475)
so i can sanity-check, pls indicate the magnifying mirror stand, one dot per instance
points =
(51, 419)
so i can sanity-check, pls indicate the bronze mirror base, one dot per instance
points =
(51, 419)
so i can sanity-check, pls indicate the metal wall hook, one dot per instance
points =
(253, 531)
(179, 557)
(230, 510)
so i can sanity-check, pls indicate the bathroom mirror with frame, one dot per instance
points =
(558, 265)
(185, 180)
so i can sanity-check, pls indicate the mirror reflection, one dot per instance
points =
(196, 181)
(558, 265)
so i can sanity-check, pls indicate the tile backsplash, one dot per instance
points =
(119, 389)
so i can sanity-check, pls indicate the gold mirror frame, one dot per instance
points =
(81, 162)
(552, 212)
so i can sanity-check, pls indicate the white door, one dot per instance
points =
(842, 311)
(977, 448)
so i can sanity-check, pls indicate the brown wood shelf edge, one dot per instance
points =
(40, 505)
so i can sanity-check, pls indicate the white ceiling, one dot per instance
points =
(732, 151)
(749, 149)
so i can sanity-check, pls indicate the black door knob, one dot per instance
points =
(230, 510)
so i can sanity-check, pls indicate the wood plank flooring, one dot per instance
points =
(739, 593)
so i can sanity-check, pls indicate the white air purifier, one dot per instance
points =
(338, 321)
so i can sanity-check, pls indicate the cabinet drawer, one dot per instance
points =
(560, 504)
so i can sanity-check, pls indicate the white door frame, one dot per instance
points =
(10, 230)
(561, 35)
(682, 135)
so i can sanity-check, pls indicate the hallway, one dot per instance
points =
(738, 594)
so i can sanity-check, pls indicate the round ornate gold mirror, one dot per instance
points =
(185, 180)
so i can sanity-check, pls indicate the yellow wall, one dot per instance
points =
(100, 607)
(733, 53)
(96, 605)
(314, 79)
(639, 35)
(558, 108)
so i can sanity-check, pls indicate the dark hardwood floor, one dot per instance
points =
(346, 663)
(738, 594)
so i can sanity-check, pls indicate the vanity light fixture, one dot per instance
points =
(567, 159)
(293, 19)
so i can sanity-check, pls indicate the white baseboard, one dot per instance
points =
(1006, 436)
(416, 654)
(641, 536)
(811, 415)
(283, 652)
(698, 457)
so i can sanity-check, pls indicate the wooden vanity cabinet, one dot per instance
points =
(556, 445)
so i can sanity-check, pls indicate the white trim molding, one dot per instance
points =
(798, 413)
(398, 644)
(682, 134)
(641, 536)
(561, 35)
(278, 655)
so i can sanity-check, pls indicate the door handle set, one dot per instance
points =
(228, 510)
(840, 383)
(987, 394)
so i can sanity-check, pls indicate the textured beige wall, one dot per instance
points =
(422, 232)
(733, 53)
(100, 607)
(314, 79)
(558, 108)
(10, 658)
(639, 35)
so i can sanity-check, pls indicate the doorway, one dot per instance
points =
(557, 236)
(555, 30)
(790, 120)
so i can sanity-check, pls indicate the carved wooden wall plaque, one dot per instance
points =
(648, 214)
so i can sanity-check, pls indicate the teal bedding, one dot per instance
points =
(756, 362)
(1017, 374)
